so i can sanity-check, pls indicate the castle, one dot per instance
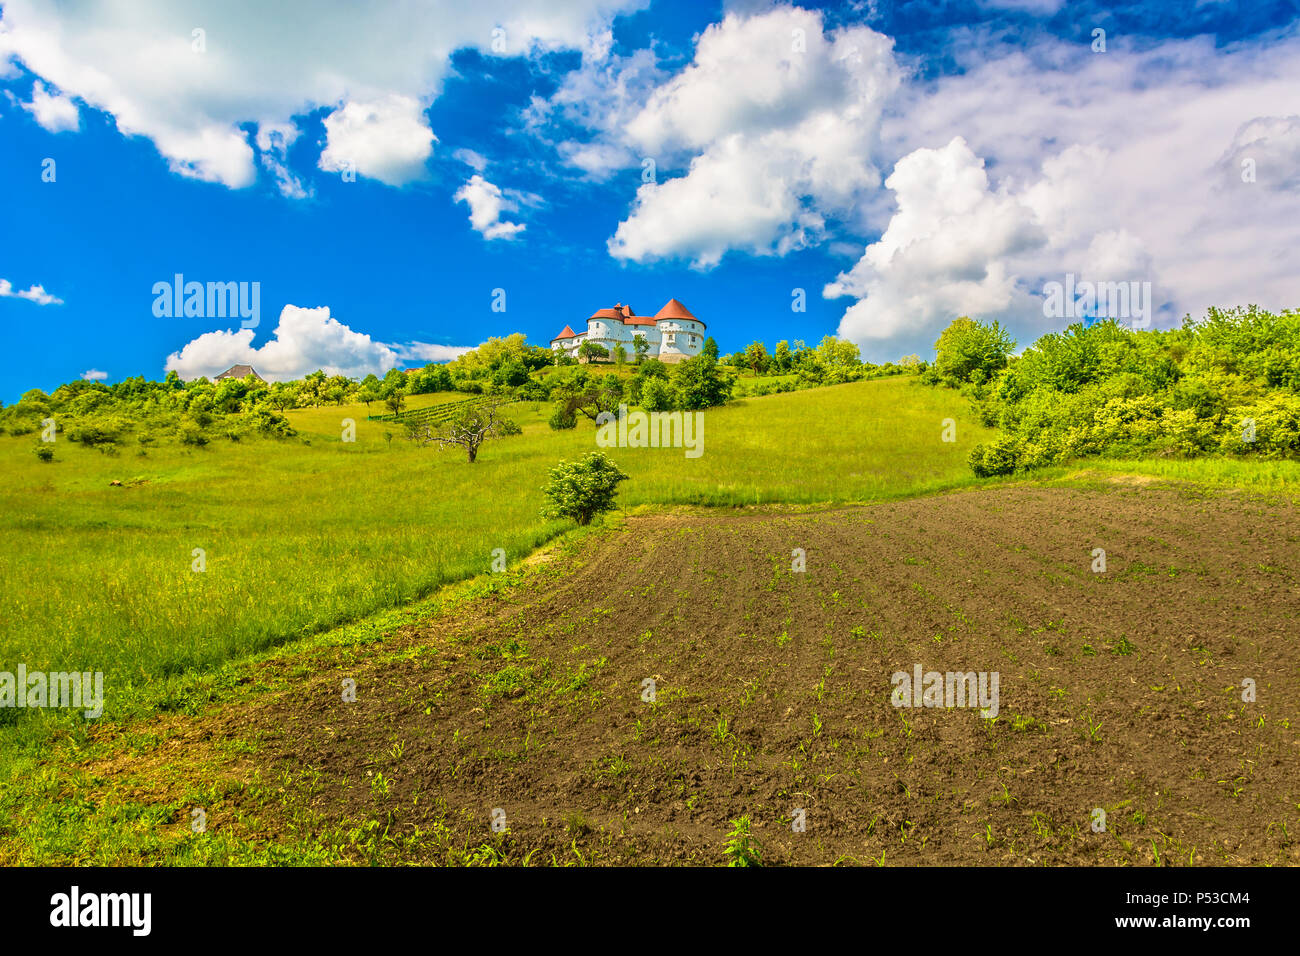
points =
(673, 335)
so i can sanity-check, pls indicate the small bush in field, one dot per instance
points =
(582, 489)
(44, 452)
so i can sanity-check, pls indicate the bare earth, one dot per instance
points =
(1120, 690)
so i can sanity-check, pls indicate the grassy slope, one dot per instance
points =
(330, 532)
(302, 537)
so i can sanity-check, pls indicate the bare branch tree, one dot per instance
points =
(469, 429)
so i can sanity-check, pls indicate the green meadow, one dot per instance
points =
(301, 535)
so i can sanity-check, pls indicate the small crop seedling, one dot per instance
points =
(741, 849)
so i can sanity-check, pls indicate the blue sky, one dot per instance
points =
(900, 163)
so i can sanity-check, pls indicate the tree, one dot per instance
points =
(756, 357)
(371, 390)
(469, 429)
(394, 397)
(620, 356)
(591, 350)
(710, 348)
(781, 360)
(640, 346)
(582, 489)
(970, 351)
(657, 395)
(700, 384)
(591, 399)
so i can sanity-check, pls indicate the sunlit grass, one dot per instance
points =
(301, 535)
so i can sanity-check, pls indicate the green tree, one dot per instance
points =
(394, 397)
(582, 489)
(700, 384)
(970, 351)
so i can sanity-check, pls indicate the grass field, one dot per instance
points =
(301, 535)
(321, 553)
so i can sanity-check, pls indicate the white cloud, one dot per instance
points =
(945, 251)
(265, 63)
(274, 140)
(429, 352)
(603, 96)
(475, 161)
(304, 340)
(388, 140)
(780, 119)
(486, 204)
(94, 375)
(1128, 165)
(55, 112)
(35, 294)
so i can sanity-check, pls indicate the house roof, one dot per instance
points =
(673, 309)
(568, 333)
(239, 371)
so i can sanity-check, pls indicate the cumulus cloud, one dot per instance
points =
(55, 112)
(945, 252)
(263, 64)
(303, 341)
(387, 140)
(94, 375)
(1123, 166)
(486, 204)
(780, 119)
(34, 293)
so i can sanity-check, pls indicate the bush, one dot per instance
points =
(699, 384)
(998, 457)
(657, 396)
(582, 489)
(44, 452)
(191, 434)
(562, 418)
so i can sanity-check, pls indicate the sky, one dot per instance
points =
(397, 182)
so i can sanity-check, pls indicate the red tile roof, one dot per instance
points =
(568, 333)
(675, 310)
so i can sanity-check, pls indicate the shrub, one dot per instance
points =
(582, 489)
(562, 418)
(998, 457)
(657, 395)
(44, 452)
(191, 434)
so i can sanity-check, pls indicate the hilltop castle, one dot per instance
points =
(673, 335)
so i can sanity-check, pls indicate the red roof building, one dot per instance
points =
(673, 334)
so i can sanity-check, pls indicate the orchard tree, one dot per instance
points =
(469, 429)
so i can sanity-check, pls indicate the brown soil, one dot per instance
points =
(1119, 690)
